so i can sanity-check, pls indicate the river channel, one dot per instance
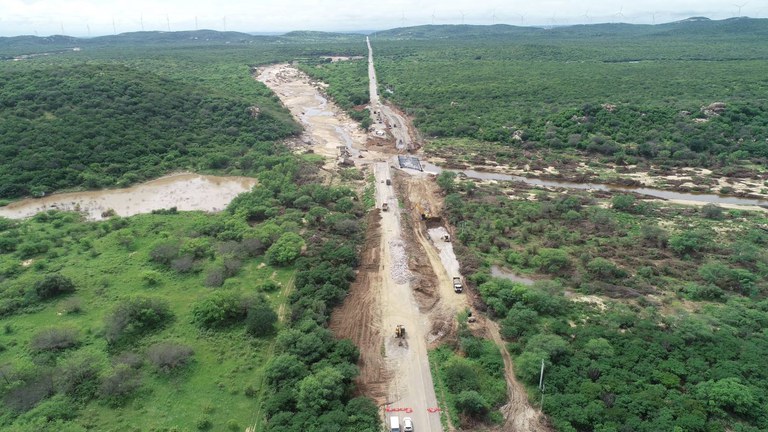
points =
(657, 193)
(185, 191)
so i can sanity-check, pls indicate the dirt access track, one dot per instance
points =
(402, 279)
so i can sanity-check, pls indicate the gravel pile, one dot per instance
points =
(400, 272)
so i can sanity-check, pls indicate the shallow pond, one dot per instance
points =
(185, 191)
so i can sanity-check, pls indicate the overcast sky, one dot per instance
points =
(100, 17)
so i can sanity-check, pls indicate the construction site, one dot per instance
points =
(409, 288)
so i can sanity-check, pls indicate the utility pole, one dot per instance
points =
(541, 384)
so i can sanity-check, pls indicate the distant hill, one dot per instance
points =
(699, 26)
(694, 26)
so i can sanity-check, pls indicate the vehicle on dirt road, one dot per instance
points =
(384, 207)
(407, 424)
(457, 285)
(389, 182)
(394, 424)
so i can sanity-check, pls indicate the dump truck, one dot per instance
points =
(399, 331)
(457, 285)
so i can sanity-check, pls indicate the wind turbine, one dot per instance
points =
(586, 16)
(552, 20)
(195, 22)
(620, 13)
(88, 27)
(402, 20)
(740, 6)
(462, 17)
(167, 22)
(141, 18)
(114, 28)
(224, 22)
(493, 17)
(62, 28)
(433, 17)
(522, 19)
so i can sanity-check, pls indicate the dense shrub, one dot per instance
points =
(118, 386)
(54, 285)
(261, 320)
(218, 310)
(54, 339)
(134, 317)
(166, 357)
(78, 377)
(285, 250)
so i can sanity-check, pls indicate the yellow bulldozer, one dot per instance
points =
(425, 212)
(399, 331)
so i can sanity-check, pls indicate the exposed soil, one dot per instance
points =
(359, 318)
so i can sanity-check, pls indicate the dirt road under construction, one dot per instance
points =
(405, 277)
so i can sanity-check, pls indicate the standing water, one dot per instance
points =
(184, 191)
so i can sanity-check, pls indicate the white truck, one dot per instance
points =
(394, 424)
(457, 285)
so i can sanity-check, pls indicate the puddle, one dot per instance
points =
(499, 272)
(185, 191)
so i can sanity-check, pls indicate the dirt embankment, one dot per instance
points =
(359, 317)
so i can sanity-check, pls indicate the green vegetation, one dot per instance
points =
(617, 93)
(473, 385)
(679, 348)
(171, 320)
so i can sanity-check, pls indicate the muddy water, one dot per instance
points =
(184, 191)
(499, 272)
(658, 193)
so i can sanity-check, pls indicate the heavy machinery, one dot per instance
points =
(399, 331)
(457, 285)
(425, 212)
(384, 207)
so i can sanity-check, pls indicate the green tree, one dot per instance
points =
(285, 250)
(53, 286)
(261, 320)
(446, 181)
(318, 391)
(472, 403)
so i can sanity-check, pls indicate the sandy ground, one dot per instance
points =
(185, 191)
(326, 126)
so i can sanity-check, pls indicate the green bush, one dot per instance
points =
(285, 250)
(134, 317)
(219, 310)
(53, 286)
(54, 339)
(471, 403)
(261, 320)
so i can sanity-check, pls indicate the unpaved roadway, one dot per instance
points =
(388, 290)
(386, 118)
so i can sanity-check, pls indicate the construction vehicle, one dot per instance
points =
(389, 182)
(399, 331)
(384, 207)
(447, 238)
(457, 285)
